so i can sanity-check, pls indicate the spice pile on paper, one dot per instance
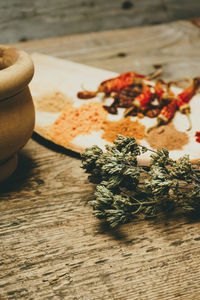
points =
(78, 106)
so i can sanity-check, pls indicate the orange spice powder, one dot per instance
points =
(74, 121)
(125, 127)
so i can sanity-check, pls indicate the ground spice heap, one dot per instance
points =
(51, 102)
(74, 121)
(125, 127)
(168, 137)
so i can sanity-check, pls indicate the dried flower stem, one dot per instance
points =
(125, 189)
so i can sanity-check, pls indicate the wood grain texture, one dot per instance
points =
(51, 246)
(174, 45)
(25, 20)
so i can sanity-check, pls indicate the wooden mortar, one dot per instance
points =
(17, 114)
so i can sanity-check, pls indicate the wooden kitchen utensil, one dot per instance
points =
(17, 115)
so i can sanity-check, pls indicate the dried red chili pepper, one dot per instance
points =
(163, 95)
(118, 83)
(166, 114)
(158, 88)
(142, 100)
(168, 111)
(184, 97)
(112, 85)
(197, 135)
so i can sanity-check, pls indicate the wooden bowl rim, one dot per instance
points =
(16, 76)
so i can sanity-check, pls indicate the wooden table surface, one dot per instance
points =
(51, 245)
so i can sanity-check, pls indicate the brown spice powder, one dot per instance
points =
(125, 127)
(168, 137)
(51, 102)
(74, 121)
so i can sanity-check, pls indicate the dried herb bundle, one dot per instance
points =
(126, 190)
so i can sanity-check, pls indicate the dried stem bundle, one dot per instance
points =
(126, 190)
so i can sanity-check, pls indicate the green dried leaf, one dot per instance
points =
(126, 190)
